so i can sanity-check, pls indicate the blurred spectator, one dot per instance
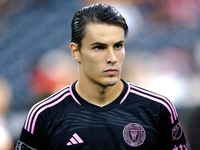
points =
(152, 10)
(6, 142)
(185, 12)
(175, 60)
(55, 70)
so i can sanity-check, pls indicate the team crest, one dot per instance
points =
(176, 132)
(134, 134)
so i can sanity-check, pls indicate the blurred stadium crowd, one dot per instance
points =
(162, 54)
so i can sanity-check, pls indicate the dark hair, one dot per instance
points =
(96, 13)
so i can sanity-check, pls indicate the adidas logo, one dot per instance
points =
(75, 140)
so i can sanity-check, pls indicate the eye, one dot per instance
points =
(99, 47)
(118, 46)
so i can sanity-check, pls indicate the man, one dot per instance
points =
(100, 111)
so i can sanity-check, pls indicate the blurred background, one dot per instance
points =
(162, 54)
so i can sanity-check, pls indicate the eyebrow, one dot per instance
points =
(103, 44)
(98, 43)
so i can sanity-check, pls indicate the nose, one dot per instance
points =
(111, 57)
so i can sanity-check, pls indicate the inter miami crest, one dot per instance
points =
(134, 134)
(176, 132)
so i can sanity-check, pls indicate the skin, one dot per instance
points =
(100, 61)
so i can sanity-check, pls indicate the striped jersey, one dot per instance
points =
(137, 120)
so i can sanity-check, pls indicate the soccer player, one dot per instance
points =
(101, 111)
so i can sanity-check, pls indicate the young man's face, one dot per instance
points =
(101, 55)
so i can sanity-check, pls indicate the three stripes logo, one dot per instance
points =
(75, 140)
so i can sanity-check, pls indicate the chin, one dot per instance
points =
(111, 81)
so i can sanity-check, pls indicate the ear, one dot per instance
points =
(75, 51)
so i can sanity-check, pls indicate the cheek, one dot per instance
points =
(90, 64)
(121, 58)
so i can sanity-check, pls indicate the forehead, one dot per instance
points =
(103, 32)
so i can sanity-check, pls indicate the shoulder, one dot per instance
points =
(47, 107)
(152, 99)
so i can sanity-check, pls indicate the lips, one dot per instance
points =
(112, 71)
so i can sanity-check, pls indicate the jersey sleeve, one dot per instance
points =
(32, 138)
(172, 135)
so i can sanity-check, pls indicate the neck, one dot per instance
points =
(97, 94)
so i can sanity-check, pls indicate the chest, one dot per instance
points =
(115, 129)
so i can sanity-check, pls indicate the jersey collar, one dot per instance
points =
(93, 107)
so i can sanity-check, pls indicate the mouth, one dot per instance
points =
(111, 72)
